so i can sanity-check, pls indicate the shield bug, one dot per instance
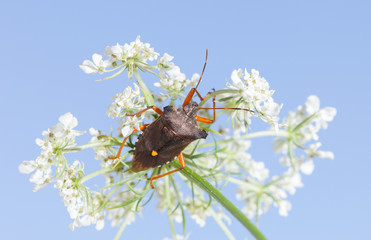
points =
(167, 136)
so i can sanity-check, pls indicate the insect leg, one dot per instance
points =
(123, 143)
(182, 163)
(206, 120)
(156, 109)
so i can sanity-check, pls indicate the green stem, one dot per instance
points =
(215, 94)
(213, 192)
(252, 187)
(94, 174)
(147, 94)
(115, 68)
(88, 145)
(281, 133)
(113, 75)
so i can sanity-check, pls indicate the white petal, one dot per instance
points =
(307, 167)
(37, 177)
(38, 187)
(93, 132)
(108, 51)
(97, 58)
(117, 50)
(88, 67)
(328, 114)
(126, 131)
(68, 120)
(284, 207)
(40, 142)
(326, 154)
(100, 225)
(236, 78)
(86, 220)
(27, 167)
(167, 57)
(312, 104)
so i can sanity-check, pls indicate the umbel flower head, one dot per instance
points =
(252, 92)
(56, 139)
(127, 56)
(213, 164)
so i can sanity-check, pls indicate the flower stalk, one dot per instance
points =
(219, 197)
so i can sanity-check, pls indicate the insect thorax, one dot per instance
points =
(183, 122)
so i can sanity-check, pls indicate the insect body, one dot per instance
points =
(166, 137)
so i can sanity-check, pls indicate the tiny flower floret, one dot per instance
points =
(129, 124)
(97, 66)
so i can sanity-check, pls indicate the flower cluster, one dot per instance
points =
(223, 159)
(55, 140)
(171, 79)
(252, 92)
(127, 56)
(259, 195)
(127, 102)
(76, 198)
(126, 213)
(303, 125)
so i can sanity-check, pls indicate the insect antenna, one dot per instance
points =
(203, 70)
(188, 99)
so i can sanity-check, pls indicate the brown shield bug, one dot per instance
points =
(166, 137)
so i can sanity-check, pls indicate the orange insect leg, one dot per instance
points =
(206, 120)
(123, 143)
(156, 109)
(182, 163)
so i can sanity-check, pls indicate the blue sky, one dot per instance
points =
(301, 48)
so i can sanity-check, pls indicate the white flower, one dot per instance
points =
(172, 79)
(312, 151)
(133, 55)
(75, 199)
(252, 93)
(312, 104)
(168, 200)
(128, 124)
(127, 102)
(284, 207)
(198, 211)
(55, 140)
(307, 167)
(117, 215)
(27, 167)
(100, 150)
(164, 63)
(64, 129)
(318, 119)
(97, 66)
(259, 196)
